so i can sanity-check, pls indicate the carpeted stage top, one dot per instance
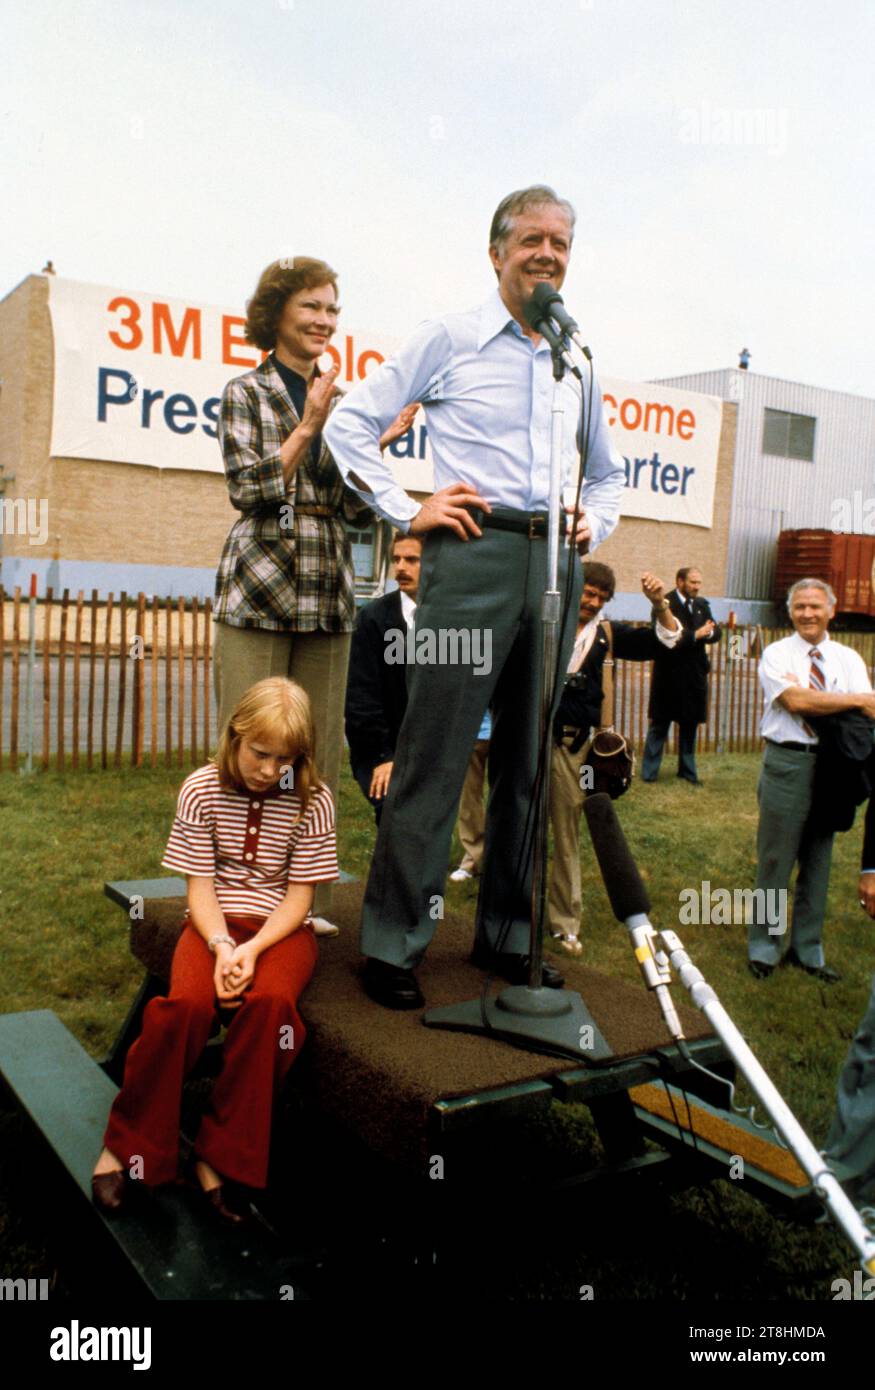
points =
(380, 1071)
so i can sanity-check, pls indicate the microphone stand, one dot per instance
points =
(532, 1016)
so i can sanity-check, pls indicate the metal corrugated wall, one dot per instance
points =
(771, 494)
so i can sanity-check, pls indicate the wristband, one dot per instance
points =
(215, 941)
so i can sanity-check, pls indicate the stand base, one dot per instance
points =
(542, 1020)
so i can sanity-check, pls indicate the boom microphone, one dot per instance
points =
(631, 904)
(626, 892)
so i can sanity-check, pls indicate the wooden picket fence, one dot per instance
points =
(121, 679)
(129, 679)
(735, 702)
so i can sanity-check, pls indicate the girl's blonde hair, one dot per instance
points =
(273, 709)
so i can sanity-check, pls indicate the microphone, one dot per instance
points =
(630, 902)
(545, 304)
(555, 337)
(625, 889)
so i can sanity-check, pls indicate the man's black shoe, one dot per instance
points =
(391, 986)
(512, 967)
(693, 781)
(820, 972)
(760, 969)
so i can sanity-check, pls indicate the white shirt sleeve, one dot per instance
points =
(605, 479)
(353, 429)
(667, 638)
(772, 673)
(858, 676)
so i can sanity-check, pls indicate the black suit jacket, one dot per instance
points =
(679, 689)
(376, 691)
(581, 704)
(844, 768)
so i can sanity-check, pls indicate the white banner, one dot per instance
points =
(138, 379)
(669, 440)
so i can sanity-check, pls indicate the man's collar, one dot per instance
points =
(494, 318)
(804, 642)
(592, 624)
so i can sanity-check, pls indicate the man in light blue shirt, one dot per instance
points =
(485, 380)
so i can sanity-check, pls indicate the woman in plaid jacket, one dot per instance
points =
(285, 599)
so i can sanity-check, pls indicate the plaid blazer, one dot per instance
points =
(279, 570)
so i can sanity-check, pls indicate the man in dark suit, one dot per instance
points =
(679, 688)
(376, 692)
(582, 708)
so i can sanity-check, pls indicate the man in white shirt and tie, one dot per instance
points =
(803, 675)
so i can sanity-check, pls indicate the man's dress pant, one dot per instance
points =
(786, 835)
(654, 746)
(566, 805)
(472, 812)
(493, 585)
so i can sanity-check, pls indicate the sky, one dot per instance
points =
(718, 153)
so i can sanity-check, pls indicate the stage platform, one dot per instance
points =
(401, 1086)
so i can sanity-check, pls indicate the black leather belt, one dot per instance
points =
(531, 524)
(794, 747)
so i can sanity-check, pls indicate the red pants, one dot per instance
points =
(259, 1048)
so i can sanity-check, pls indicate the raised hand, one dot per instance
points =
(319, 397)
(653, 587)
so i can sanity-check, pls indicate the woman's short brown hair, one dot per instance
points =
(275, 708)
(276, 283)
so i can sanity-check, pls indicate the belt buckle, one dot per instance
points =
(537, 529)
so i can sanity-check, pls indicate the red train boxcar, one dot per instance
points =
(845, 561)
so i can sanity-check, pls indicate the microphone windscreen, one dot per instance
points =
(536, 306)
(627, 894)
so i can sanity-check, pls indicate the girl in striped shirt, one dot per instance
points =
(253, 833)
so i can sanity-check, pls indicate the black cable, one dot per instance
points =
(707, 1190)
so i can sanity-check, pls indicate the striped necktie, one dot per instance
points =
(816, 681)
(817, 674)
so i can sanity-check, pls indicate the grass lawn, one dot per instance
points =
(65, 947)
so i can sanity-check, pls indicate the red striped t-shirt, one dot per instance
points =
(251, 844)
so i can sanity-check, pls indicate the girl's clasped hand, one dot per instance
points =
(234, 973)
